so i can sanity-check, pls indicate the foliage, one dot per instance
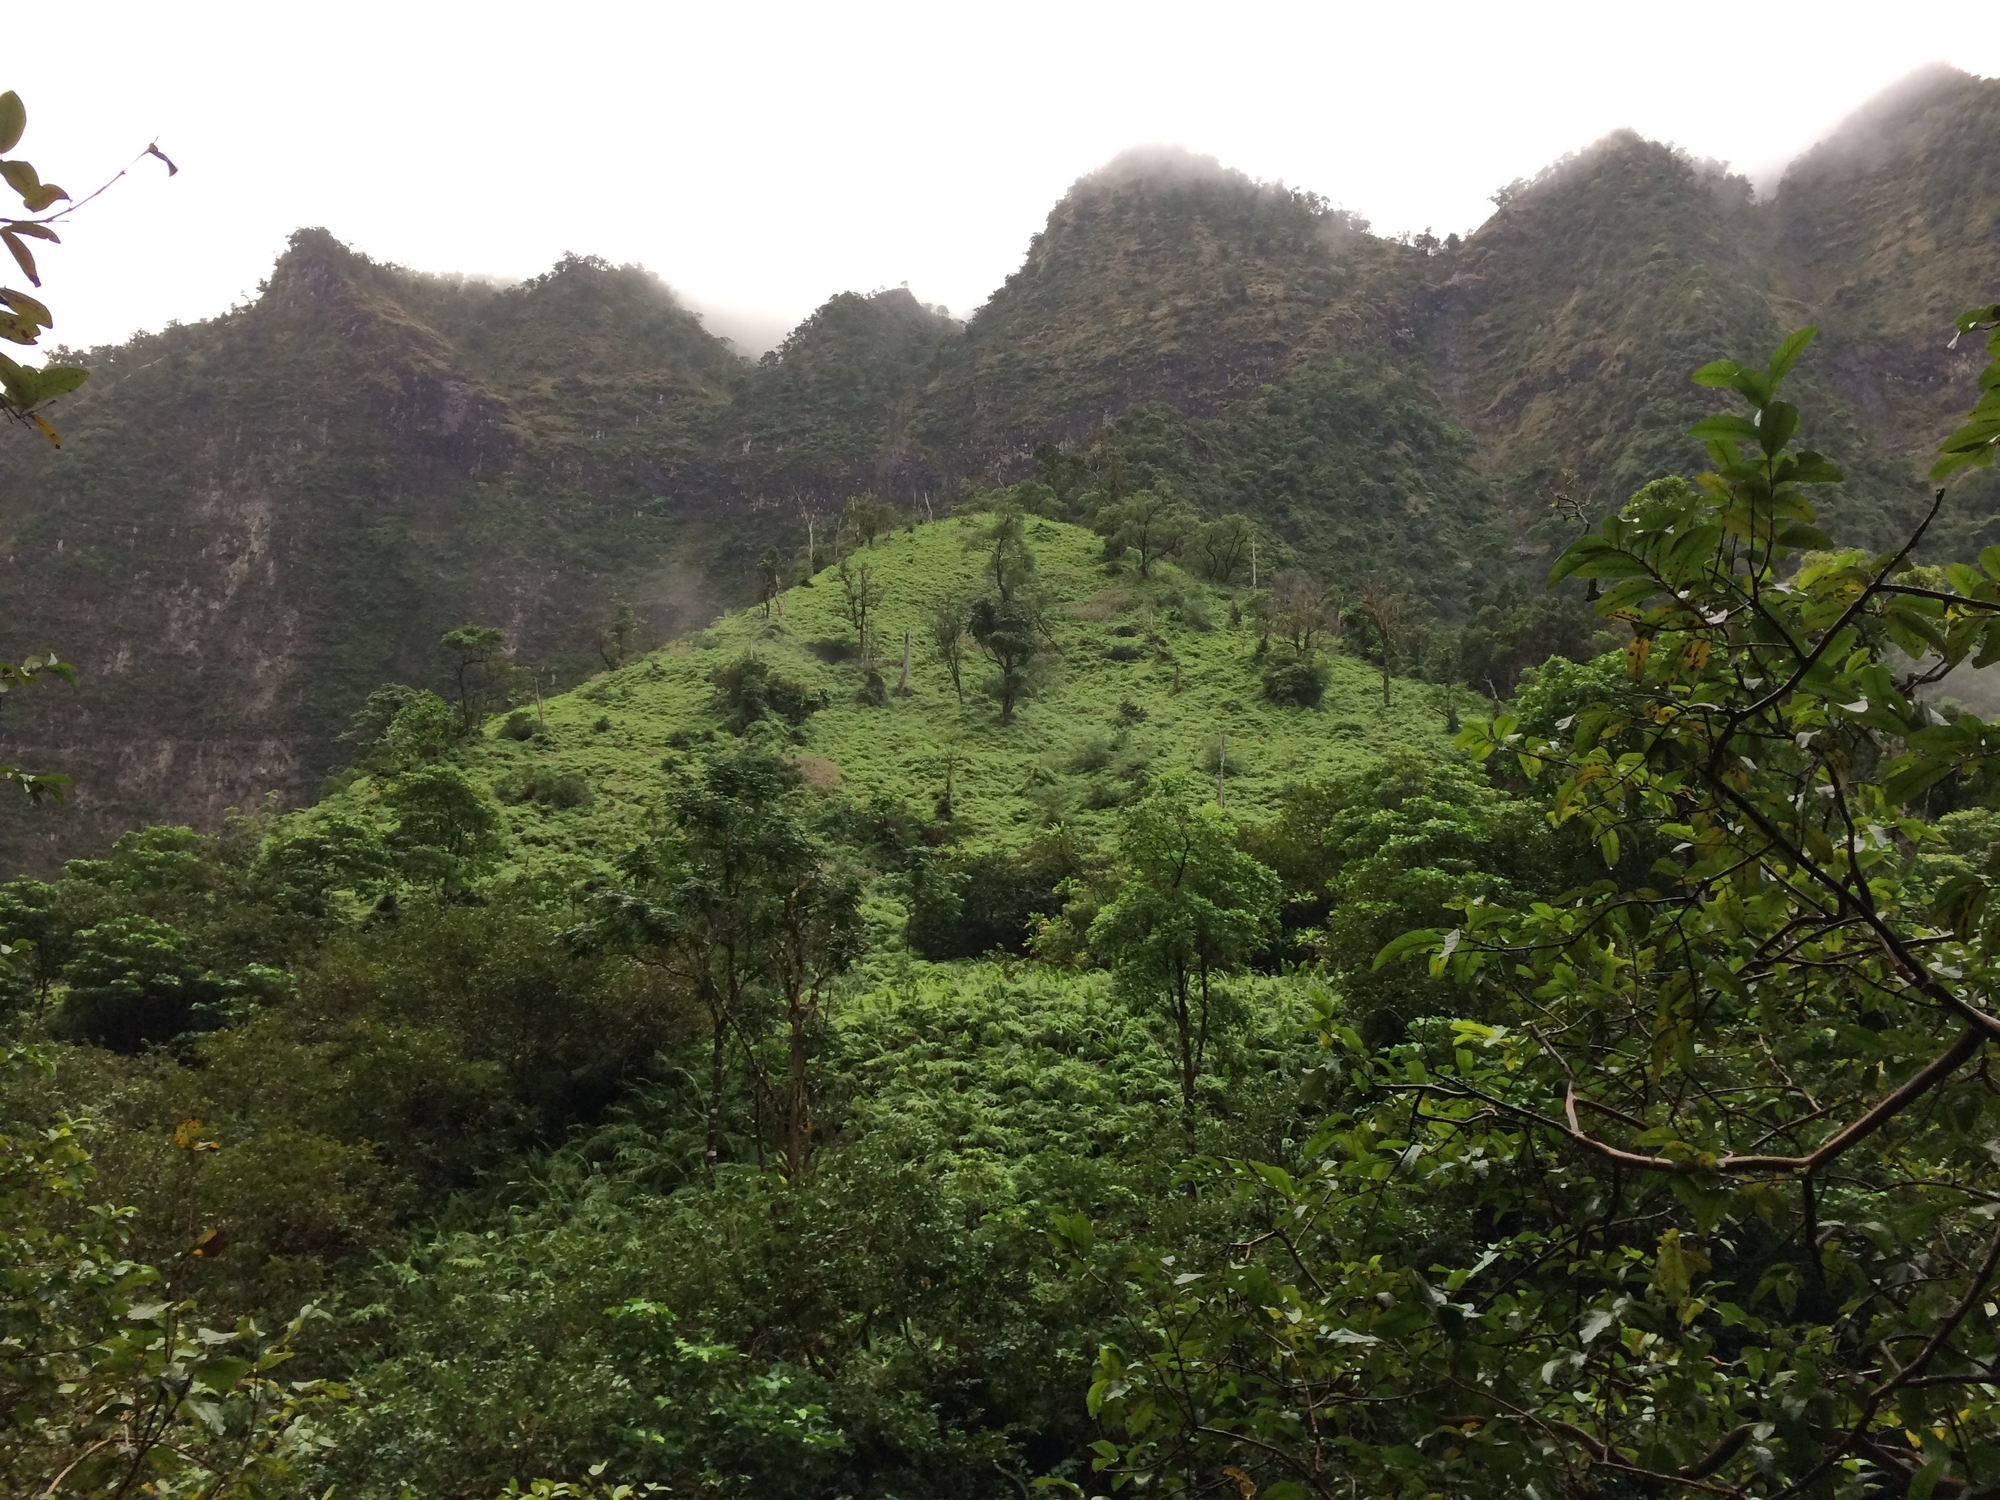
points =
(1190, 910)
(748, 690)
(1756, 1270)
(23, 390)
(1008, 633)
(1972, 446)
(446, 830)
(110, 1378)
(1299, 683)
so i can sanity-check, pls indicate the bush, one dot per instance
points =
(520, 725)
(967, 905)
(747, 689)
(549, 788)
(1296, 684)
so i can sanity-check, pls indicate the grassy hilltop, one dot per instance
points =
(1076, 751)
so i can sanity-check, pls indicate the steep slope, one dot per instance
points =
(1886, 231)
(1161, 277)
(1563, 331)
(257, 520)
(827, 412)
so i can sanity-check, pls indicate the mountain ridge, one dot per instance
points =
(258, 519)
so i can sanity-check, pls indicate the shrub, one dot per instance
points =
(747, 689)
(549, 788)
(1296, 684)
(967, 905)
(520, 725)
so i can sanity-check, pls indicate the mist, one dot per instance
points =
(762, 160)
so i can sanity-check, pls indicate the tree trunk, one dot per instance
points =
(903, 687)
(1184, 1023)
(718, 1076)
(798, 1108)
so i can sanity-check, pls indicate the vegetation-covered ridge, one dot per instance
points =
(257, 520)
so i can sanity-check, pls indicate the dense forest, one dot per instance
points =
(1153, 964)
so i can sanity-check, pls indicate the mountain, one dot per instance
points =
(257, 520)
(827, 412)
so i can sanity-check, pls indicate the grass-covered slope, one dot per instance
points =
(1094, 728)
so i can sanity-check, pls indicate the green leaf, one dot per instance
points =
(1721, 372)
(1789, 351)
(220, 1374)
(1725, 427)
(1404, 1317)
(1961, 901)
(1779, 427)
(1989, 559)
(26, 306)
(22, 258)
(1804, 536)
(13, 120)
(1927, 1479)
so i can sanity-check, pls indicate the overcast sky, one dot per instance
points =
(761, 157)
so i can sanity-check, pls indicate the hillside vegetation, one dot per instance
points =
(1147, 1023)
(260, 519)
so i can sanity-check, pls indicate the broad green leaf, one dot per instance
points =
(1721, 372)
(1725, 427)
(1802, 536)
(1789, 351)
(1779, 426)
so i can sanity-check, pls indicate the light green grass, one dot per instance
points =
(1009, 780)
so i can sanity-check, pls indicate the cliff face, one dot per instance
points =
(257, 520)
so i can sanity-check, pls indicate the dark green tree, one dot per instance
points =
(1688, 1199)
(447, 832)
(1008, 633)
(1223, 547)
(480, 671)
(1148, 523)
(614, 640)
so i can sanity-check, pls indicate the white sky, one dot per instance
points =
(761, 157)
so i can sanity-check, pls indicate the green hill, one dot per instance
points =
(1137, 680)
